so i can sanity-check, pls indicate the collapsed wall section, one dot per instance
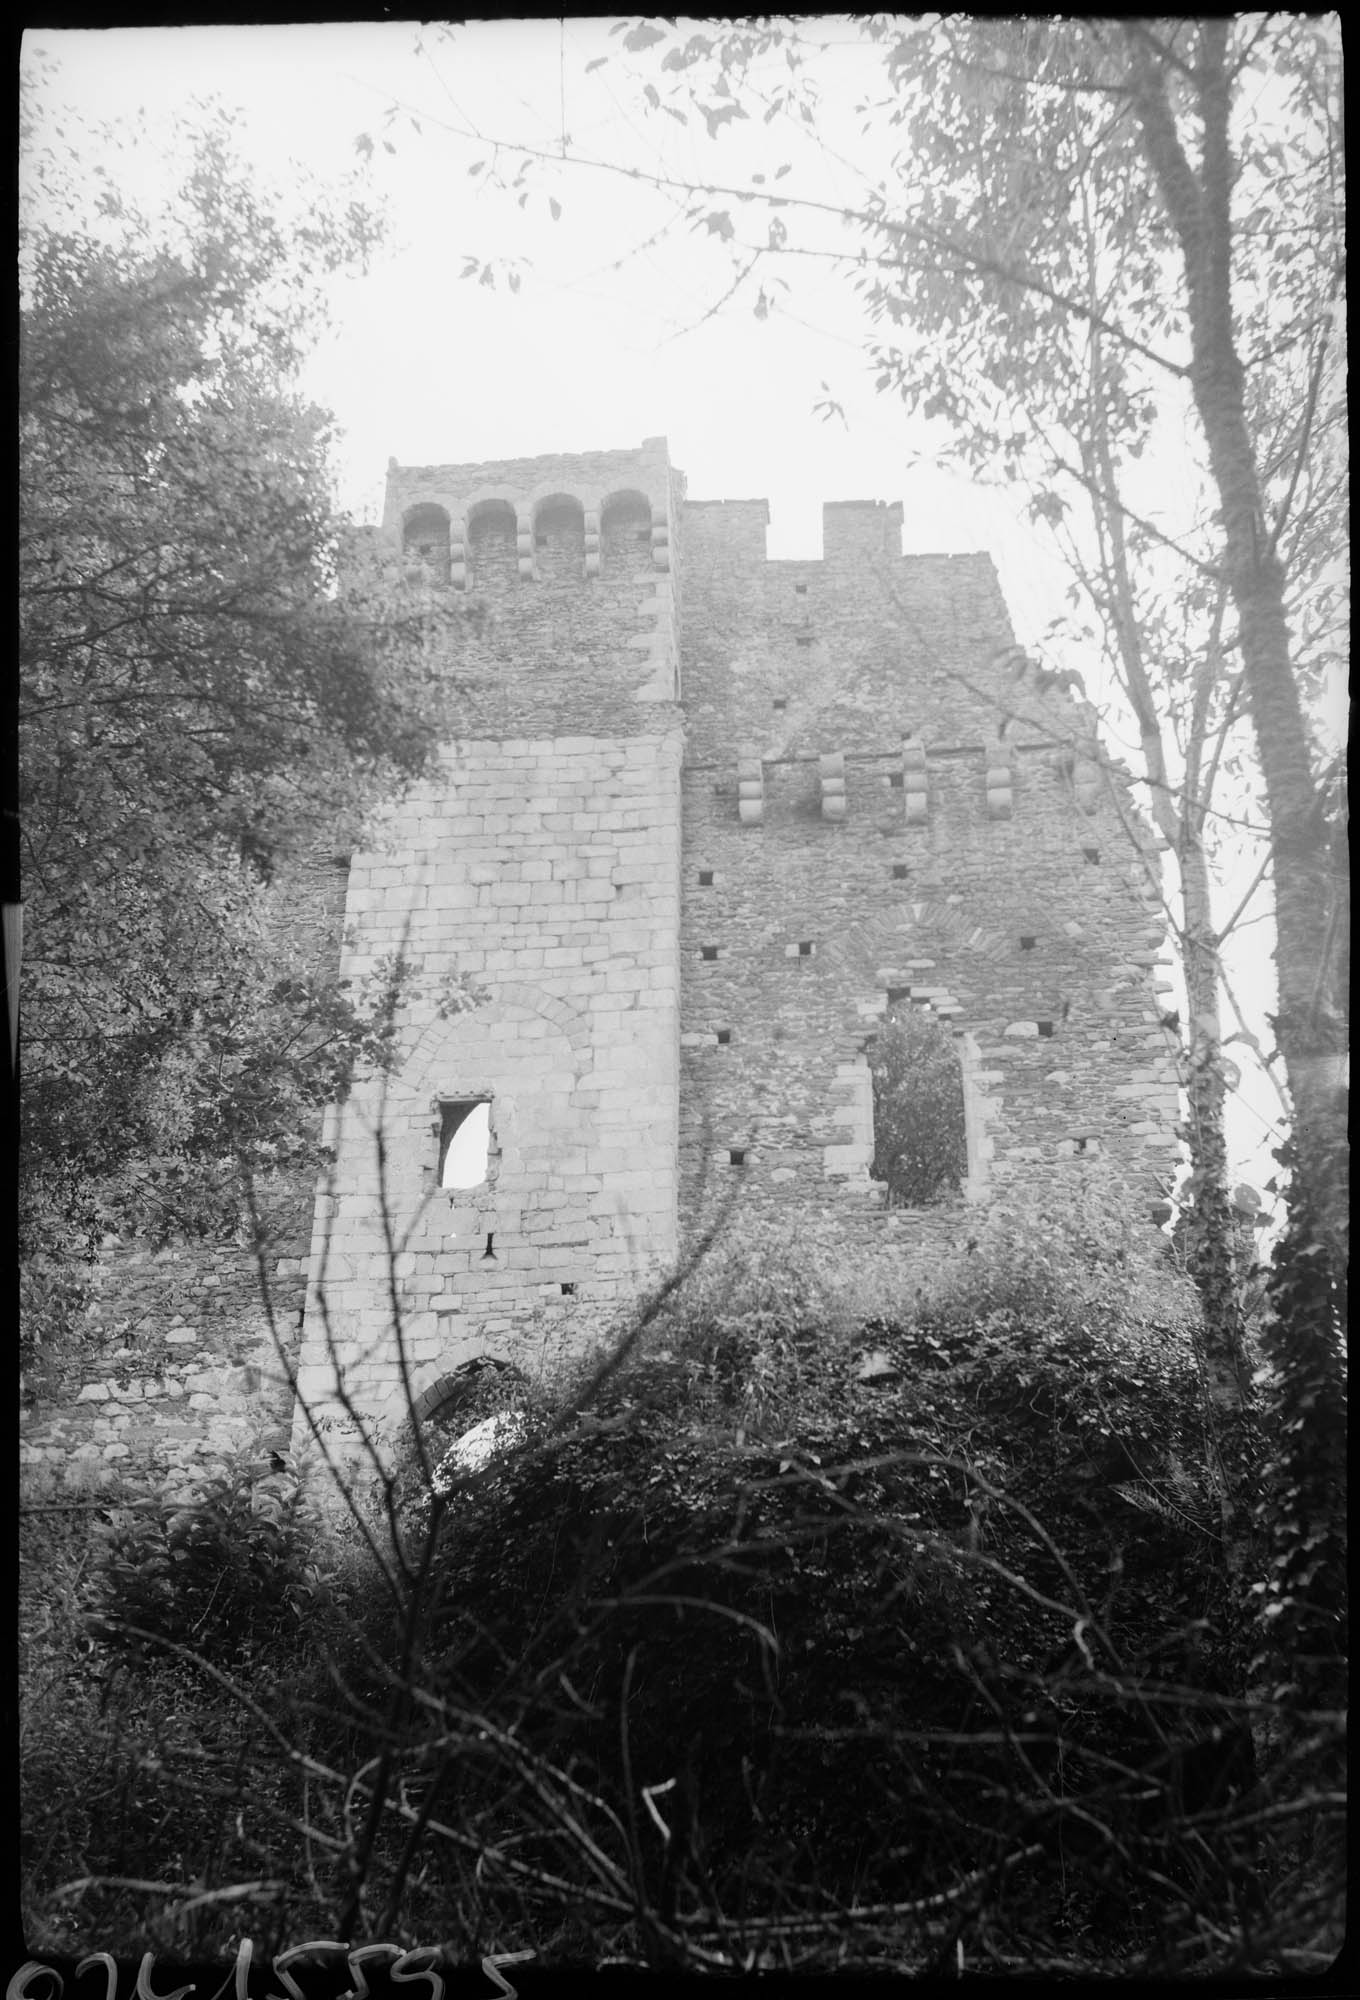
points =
(533, 889)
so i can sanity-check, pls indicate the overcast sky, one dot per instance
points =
(606, 342)
(618, 330)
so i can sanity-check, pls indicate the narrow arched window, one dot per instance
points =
(920, 1133)
(425, 540)
(560, 540)
(492, 547)
(625, 535)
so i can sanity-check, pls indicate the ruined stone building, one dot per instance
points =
(703, 818)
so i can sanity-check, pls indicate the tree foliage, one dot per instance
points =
(920, 1144)
(197, 706)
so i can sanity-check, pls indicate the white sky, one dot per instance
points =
(606, 342)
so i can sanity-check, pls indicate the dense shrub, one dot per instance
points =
(735, 1652)
(862, 1639)
(920, 1141)
(229, 1574)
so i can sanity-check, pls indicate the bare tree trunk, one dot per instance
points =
(1311, 1025)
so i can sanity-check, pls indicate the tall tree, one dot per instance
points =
(194, 699)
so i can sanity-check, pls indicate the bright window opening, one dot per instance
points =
(464, 1143)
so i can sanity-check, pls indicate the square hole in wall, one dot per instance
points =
(569, 1291)
(800, 590)
(804, 638)
(705, 878)
(724, 1037)
(736, 1156)
(896, 994)
(1027, 944)
(708, 953)
(806, 949)
(896, 780)
(540, 541)
(1045, 1031)
(900, 871)
(780, 701)
(1091, 854)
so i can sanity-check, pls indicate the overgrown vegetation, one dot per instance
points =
(195, 699)
(920, 1143)
(818, 1622)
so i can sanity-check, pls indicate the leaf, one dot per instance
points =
(643, 37)
(719, 223)
(598, 63)
(717, 115)
(554, 209)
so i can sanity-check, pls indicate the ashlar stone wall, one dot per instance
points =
(698, 821)
(533, 889)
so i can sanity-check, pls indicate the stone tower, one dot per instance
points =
(701, 819)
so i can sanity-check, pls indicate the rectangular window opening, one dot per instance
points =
(724, 1037)
(569, 1291)
(806, 949)
(705, 878)
(896, 780)
(464, 1141)
(897, 994)
(736, 1156)
(900, 871)
(1045, 1031)
(800, 590)
(1091, 854)
(804, 638)
(1027, 944)
(781, 701)
(708, 953)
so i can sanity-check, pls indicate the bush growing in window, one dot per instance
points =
(920, 1144)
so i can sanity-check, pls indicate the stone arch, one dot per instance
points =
(492, 541)
(570, 1021)
(461, 1388)
(921, 930)
(425, 541)
(626, 534)
(559, 523)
